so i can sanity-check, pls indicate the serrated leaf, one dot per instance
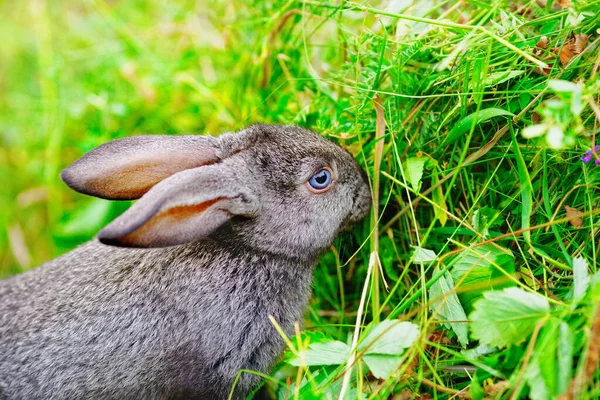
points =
(551, 367)
(507, 317)
(423, 256)
(448, 307)
(581, 278)
(478, 256)
(415, 167)
(481, 268)
(391, 336)
(329, 353)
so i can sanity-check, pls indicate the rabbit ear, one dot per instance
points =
(183, 208)
(125, 169)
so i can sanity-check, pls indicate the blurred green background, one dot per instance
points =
(75, 74)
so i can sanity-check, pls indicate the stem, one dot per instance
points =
(373, 259)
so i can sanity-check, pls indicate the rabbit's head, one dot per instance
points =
(280, 189)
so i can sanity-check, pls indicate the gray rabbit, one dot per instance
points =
(173, 299)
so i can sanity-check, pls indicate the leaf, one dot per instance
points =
(423, 256)
(479, 256)
(571, 47)
(551, 367)
(464, 125)
(329, 353)
(508, 317)
(580, 43)
(479, 222)
(581, 278)
(415, 166)
(496, 78)
(575, 216)
(538, 389)
(391, 336)
(382, 366)
(526, 189)
(448, 307)
(438, 198)
(385, 342)
(564, 355)
(476, 352)
(480, 269)
(318, 387)
(595, 286)
(483, 219)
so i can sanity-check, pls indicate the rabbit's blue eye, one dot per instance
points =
(321, 180)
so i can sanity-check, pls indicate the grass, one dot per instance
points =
(432, 99)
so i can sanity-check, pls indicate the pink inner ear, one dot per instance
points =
(132, 179)
(164, 223)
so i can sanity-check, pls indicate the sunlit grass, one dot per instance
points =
(77, 74)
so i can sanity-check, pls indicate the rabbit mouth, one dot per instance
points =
(360, 207)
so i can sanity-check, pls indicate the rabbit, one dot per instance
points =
(172, 299)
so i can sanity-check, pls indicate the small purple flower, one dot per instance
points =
(589, 155)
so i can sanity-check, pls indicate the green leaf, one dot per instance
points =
(423, 256)
(439, 199)
(478, 351)
(479, 222)
(485, 218)
(508, 317)
(448, 307)
(526, 188)
(595, 286)
(551, 367)
(384, 343)
(581, 278)
(464, 125)
(329, 353)
(391, 336)
(480, 269)
(565, 351)
(499, 77)
(415, 167)
(537, 387)
(382, 366)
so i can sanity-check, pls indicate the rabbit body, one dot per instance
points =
(173, 298)
(111, 323)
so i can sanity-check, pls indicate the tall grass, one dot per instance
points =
(431, 97)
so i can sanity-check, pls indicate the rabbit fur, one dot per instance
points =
(172, 299)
